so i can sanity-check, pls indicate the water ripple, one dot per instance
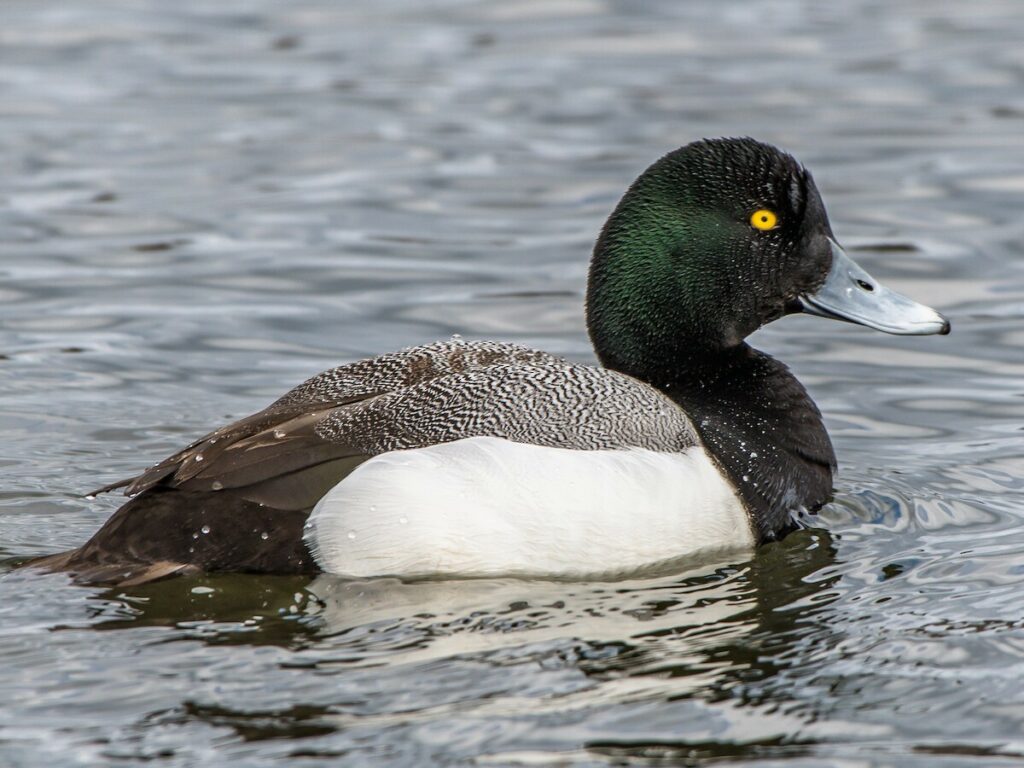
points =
(205, 203)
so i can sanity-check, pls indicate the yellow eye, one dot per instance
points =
(764, 219)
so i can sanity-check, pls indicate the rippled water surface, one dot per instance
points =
(203, 203)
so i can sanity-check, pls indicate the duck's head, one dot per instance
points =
(713, 241)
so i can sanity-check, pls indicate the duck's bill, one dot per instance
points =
(851, 294)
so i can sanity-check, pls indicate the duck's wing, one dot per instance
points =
(291, 463)
(283, 441)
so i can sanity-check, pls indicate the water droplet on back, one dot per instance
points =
(205, 529)
(217, 485)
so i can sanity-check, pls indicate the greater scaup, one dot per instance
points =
(476, 458)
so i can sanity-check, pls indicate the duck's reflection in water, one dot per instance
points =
(665, 622)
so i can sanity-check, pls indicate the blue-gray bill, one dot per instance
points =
(851, 294)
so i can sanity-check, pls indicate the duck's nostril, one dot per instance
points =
(865, 285)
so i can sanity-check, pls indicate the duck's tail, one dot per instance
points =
(119, 574)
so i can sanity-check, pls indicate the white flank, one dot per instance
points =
(486, 507)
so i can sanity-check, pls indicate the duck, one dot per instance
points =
(462, 458)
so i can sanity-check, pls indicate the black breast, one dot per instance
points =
(763, 430)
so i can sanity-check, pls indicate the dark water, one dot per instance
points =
(203, 203)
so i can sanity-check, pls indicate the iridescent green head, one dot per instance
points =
(713, 241)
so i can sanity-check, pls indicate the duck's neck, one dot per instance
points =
(752, 414)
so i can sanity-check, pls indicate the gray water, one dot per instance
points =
(203, 203)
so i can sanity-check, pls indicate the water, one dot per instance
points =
(202, 204)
